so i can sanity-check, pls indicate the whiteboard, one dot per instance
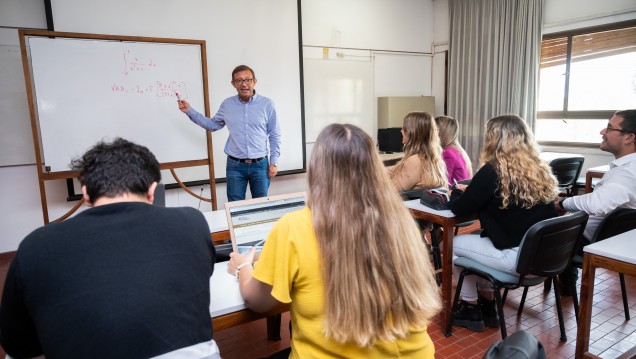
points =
(87, 90)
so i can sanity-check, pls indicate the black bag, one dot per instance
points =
(435, 199)
(520, 345)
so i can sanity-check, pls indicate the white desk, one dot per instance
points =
(616, 253)
(225, 296)
(217, 221)
(549, 156)
(227, 307)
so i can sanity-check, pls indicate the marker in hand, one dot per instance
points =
(178, 97)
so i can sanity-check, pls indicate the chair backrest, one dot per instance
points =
(567, 170)
(616, 222)
(547, 247)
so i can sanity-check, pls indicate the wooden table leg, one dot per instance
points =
(273, 327)
(588, 182)
(585, 311)
(447, 276)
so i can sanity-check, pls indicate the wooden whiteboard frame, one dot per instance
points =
(44, 175)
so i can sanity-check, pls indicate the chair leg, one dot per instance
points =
(547, 285)
(449, 326)
(624, 292)
(505, 295)
(500, 312)
(557, 297)
(575, 301)
(523, 301)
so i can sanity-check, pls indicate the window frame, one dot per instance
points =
(577, 115)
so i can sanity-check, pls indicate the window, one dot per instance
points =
(584, 77)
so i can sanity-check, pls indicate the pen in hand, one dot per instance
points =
(260, 243)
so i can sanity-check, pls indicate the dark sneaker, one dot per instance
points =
(468, 316)
(489, 312)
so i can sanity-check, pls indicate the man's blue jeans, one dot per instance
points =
(239, 174)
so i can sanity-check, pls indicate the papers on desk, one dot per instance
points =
(416, 205)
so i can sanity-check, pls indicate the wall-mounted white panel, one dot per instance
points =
(16, 144)
(397, 25)
(23, 13)
(338, 92)
(402, 74)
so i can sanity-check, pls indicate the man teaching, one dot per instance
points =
(252, 123)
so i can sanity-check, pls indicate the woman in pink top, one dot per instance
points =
(458, 165)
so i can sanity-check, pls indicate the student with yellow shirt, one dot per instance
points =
(352, 263)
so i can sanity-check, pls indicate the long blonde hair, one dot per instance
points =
(378, 280)
(423, 141)
(448, 135)
(509, 146)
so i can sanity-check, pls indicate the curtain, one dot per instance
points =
(495, 48)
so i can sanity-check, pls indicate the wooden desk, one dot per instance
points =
(594, 172)
(217, 221)
(618, 254)
(448, 221)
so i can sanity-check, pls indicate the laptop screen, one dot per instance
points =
(250, 221)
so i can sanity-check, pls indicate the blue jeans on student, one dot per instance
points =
(239, 174)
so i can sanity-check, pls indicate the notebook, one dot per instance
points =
(250, 221)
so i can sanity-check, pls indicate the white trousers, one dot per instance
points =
(482, 250)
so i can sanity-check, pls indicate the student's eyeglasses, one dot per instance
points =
(608, 129)
(241, 81)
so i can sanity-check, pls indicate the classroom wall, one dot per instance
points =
(395, 38)
(373, 34)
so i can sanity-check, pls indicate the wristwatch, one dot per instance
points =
(274, 164)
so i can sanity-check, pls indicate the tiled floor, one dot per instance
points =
(610, 334)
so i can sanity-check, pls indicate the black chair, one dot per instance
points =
(567, 171)
(544, 252)
(618, 221)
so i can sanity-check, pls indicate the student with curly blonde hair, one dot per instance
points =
(512, 190)
(458, 165)
(422, 165)
(352, 263)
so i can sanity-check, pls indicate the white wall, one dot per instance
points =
(399, 31)
(373, 27)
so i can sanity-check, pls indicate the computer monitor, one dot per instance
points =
(390, 139)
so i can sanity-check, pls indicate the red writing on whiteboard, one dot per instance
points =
(133, 63)
(159, 89)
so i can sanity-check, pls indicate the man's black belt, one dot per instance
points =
(246, 160)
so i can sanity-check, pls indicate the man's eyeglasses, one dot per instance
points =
(608, 129)
(241, 81)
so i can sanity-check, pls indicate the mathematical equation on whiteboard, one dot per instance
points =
(133, 65)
